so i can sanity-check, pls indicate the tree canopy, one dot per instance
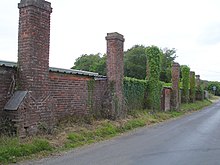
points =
(92, 63)
(135, 62)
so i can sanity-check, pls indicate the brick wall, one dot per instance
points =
(68, 95)
(76, 95)
(6, 85)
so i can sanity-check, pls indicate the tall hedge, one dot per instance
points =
(185, 83)
(134, 92)
(154, 84)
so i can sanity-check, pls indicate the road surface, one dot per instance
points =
(191, 140)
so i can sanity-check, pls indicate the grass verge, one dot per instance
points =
(13, 148)
(79, 134)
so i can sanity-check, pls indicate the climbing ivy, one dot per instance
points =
(91, 86)
(192, 93)
(185, 83)
(154, 84)
(134, 92)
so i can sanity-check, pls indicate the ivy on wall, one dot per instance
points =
(154, 84)
(90, 101)
(192, 93)
(134, 91)
(185, 83)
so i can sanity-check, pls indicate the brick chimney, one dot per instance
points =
(175, 98)
(33, 45)
(115, 71)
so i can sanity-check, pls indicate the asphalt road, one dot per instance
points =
(191, 140)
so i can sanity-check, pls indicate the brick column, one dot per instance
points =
(33, 66)
(115, 72)
(175, 103)
(33, 44)
(198, 81)
(199, 91)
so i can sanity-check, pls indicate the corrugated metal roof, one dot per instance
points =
(8, 63)
(60, 70)
(74, 71)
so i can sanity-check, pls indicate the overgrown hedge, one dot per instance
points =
(185, 83)
(134, 91)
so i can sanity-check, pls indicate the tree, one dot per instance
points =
(92, 63)
(167, 58)
(213, 87)
(135, 60)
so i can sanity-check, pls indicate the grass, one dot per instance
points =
(194, 106)
(137, 119)
(12, 148)
(79, 134)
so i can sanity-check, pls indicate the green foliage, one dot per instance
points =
(104, 131)
(135, 123)
(107, 130)
(154, 85)
(167, 57)
(194, 106)
(166, 84)
(154, 61)
(92, 63)
(211, 85)
(185, 83)
(91, 86)
(192, 92)
(134, 91)
(199, 93)
(11, 148)
(135, 60)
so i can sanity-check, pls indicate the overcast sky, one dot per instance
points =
(80, 26)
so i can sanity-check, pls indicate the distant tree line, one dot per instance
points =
(135, 62)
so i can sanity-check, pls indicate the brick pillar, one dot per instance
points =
(33, 66)
(33, 44)
(199, 91)
(198, 84)
(115, 72)
(175, 103)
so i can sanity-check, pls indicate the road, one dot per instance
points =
(191, 140)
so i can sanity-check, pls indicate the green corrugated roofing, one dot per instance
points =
(60, 70)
